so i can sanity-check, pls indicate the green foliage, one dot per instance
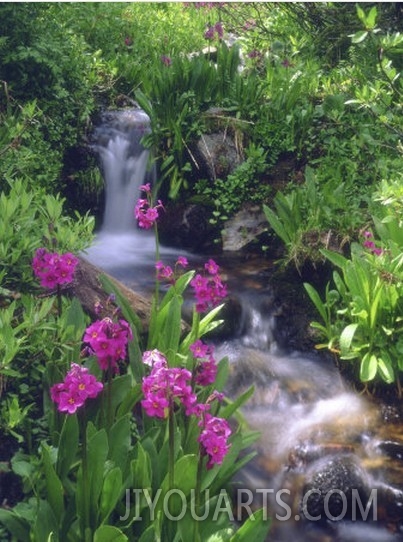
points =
(304, 217)
(361, 313)
(29, 220)
(175, 97)
(227, 196)
(22, 147)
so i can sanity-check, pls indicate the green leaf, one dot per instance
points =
(276, 224)
(45, 522)
(334, 257)
(316, 300)
(141, 468)
(54, 487)
(111, 492)
(347, 337)
(255, 528)
(67, 447)
(184, 475)
(368, 368)
(229, 409)
(16, 525)
(108, 533)
(119, 439)
(385, 368)
(359, 36)
(97, 453)
(371, 18)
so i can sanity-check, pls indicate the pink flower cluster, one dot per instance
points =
(166, 273)
(53, 269)
(108, 341)
(206, 368)
(213, 31)
(213, 438)
(165, 386)
(77, 387)
(145, 214)
(370, 244)
(210, 290)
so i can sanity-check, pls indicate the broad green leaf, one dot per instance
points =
(108, 533)
(54, 487)
(385, 368)
(119, 439)
(334, 257)
(346, 338)
(276, 224)
(45, 522)
(15, 524)
(359, 36)
(316, 300)
(371, 18)
(68, 446)
(369, 366)
(111, 492)
(255, 528)
(141, 468)
(229, 409)
(97, 452)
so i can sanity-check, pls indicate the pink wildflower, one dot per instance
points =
(108, 341)
(182, 261)
(213, 438)
(53, 269)
(165, 386)
(370, 244)
(206, 368)
(199, 349)
(209, 291)
(77, 387)
(211, 267)
(164, 272)
(146, 188)
(154, 358)
(145, 214)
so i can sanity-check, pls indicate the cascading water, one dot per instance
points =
(124, 166)
(311, 424)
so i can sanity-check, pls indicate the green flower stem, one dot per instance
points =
(85, 474)
(109, 414)
(171, 438)
(196, 535)
(59, 300)
(157, 258)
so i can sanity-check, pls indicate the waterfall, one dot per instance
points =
(123, 164)
(121, 248)
(120, 244)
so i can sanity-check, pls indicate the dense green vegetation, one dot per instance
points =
(319, 82)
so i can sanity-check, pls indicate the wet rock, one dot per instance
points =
(243, 228)
(392, 449)
(187, 226)
(333, 488)
(216, 155)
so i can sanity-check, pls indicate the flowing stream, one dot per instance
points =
(318, 437)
